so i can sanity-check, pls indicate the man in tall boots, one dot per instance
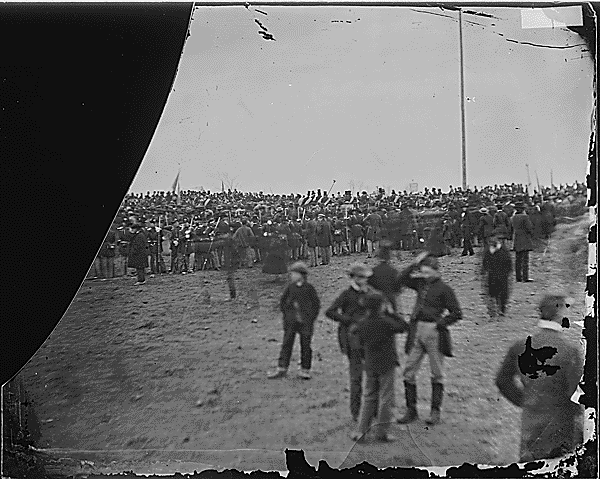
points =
(436, 309)
(523, 242)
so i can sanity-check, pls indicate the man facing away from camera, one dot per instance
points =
(540, 374)
(436, 309)
(377, 333)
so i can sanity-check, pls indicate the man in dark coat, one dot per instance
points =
(548, 369)
(407, 225)
(374, 225)
(176, 247)
(523, 242)
(242, 238)
(356, 234)
(324, 239)
(486, 225)
(466, 229)
(154, 246)
(496, 266)
(384, 277)
(258, 233)
(502, 227)
(138, 253)
(347, 310)
(377, 332)
(311, 239)
(300, 306)
(436, 309)
(107, 255)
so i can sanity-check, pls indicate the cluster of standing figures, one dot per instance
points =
(368, 322)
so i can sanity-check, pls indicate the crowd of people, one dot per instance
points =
(199, 230)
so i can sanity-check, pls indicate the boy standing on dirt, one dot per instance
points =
(347, 310)
(381, 359)
(300, 305)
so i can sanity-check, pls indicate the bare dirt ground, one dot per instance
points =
(172, 376)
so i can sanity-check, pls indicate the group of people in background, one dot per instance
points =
(223, 235)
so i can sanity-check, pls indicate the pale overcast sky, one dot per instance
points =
(370, 94)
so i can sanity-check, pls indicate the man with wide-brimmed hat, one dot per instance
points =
(300, 306)
(347, 310)
(540, 374)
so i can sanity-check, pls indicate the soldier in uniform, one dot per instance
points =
(356, 232)
(176, 246)
(154, 246)
(374, 224)
(338, 236)
(295, 238)
(324, 239)
(223, 233)
(311, 239)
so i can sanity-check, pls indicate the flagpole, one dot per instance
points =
(462, 103)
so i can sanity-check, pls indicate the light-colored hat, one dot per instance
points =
(359, 269)
(299, 267)
(483, 210)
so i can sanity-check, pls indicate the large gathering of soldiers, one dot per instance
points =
(206, 230)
